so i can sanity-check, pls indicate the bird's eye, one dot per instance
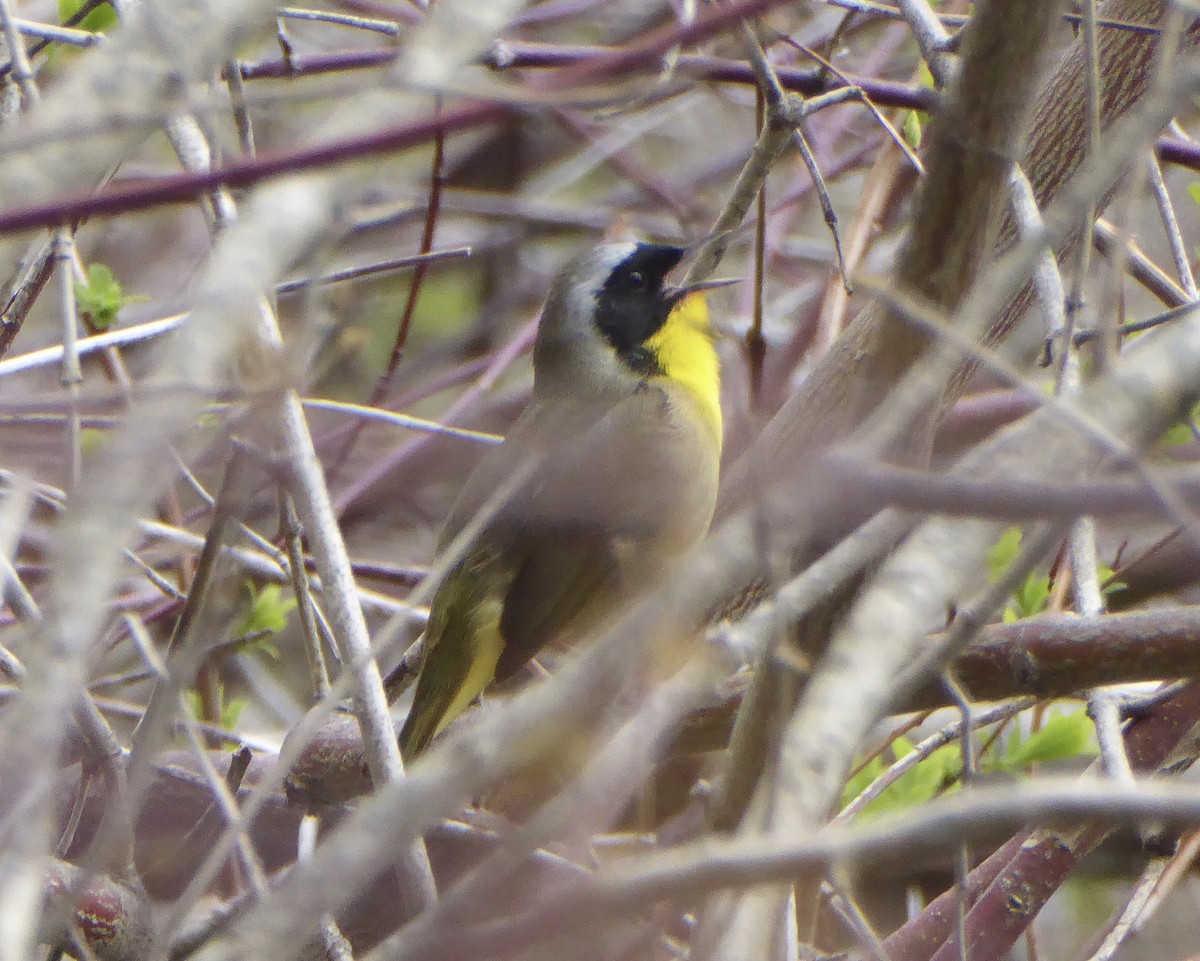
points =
(637, 280)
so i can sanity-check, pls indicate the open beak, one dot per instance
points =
(676, 294)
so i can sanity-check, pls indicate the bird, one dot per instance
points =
(612, 471)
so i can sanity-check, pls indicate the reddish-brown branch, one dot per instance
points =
(810, 81)
(1050, 656)
(585, 63)
(12, 318)
(379, 393)
(880, 485)
(1058, 655)
(244, 172)
(436, 183)
(511, 55)
(1018, 878)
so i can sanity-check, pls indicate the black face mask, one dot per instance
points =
(631, 307)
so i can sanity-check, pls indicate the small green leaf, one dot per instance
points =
(208, 420)
(999, 758)
(264, 644)
(101, 298)
(1183, 432)
(268, 612)
(912, 129)
(92, 439)
(1193, 190)
(1004, 552)
(921, 782)
(1033, 596)
(104, 17)
(1061, 737)
(1108, 579)
(231, 711)
(1178, 435)
(862, 780)
(914, 786)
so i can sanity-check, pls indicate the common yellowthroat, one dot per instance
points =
(620, 445)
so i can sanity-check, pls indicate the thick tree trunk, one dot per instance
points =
(958, 213)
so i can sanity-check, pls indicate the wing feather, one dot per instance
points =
(603, 499)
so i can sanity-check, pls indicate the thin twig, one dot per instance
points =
(839, 886)
(909, 308)
(335, 946)
(1166, 212)
(52, 33)
(72, 373)
(226, 801)
(1127, 924)
(939, 739)
(755, 342)
(871, 7)
(21, 70)
(128, 335)
(22, 289)
(388, 27)
(742, 862)
(1144, 270)
(932, 39)
(370, 270)
(1104, 708)
(1177, 868)
(241, 112)
(852, 91)
(791, 110)
(289, 525)
(182, 656)
(13, 517)
(74, 20)
(382, 385)
(1149, 323)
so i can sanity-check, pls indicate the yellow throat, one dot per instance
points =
(684, 351)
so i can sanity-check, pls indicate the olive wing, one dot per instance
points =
(562, 575)
(601, 489)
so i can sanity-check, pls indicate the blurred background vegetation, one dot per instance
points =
(649, 147)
